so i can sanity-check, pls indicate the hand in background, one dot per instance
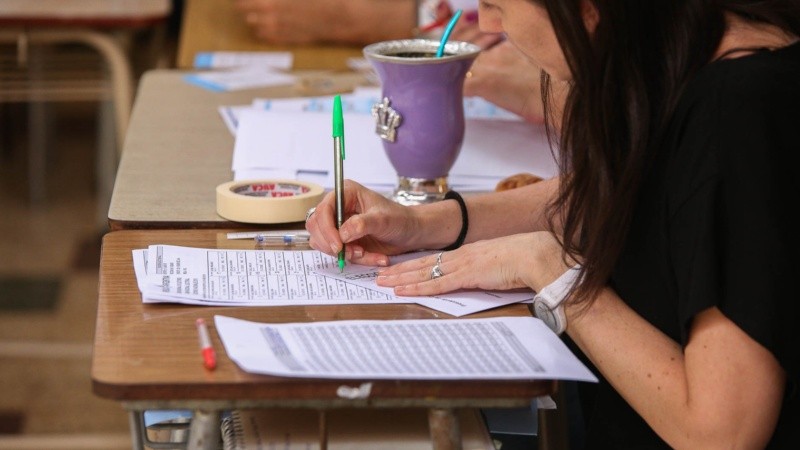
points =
(355, 22)
(504, 76)
(467, 30)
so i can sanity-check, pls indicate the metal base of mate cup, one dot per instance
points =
(415, 191)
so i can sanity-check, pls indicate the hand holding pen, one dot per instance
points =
(368, 242)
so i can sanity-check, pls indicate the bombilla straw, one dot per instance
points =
(447, 31)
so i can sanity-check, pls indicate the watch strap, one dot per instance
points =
(553, 296)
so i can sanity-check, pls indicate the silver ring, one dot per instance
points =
(310, 212)
(436, 272)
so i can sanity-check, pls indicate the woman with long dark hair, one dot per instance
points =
(664, 249)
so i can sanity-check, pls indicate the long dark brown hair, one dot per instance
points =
(627, 76)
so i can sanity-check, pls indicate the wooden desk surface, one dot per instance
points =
(215, 25)
(149, 352)
(178, 150)
(92, 13)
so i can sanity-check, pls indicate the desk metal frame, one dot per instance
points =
(98, 26)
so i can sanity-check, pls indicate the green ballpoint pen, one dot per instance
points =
(338, 168)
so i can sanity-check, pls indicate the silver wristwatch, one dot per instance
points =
(547, 302)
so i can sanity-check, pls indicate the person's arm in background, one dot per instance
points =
(356, 22)
(501, 74)
(504, 76)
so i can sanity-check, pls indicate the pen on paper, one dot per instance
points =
(338, 168)
(206, 350)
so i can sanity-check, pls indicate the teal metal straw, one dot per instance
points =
(447, 32)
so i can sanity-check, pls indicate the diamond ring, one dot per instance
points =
(436, 272)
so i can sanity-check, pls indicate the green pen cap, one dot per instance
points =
(338, 119)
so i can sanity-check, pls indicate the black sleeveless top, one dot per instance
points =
(713, 227)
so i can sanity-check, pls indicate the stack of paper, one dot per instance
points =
(225, 277)
(290, 138)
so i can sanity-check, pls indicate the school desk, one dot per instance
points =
(178, 149)
(146, 356)
(215, 25)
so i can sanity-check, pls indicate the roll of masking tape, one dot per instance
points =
(267, 201)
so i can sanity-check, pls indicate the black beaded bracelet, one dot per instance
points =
(453, 195)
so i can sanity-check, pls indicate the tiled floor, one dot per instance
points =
(48, 292)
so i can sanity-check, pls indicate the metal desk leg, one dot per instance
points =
(136, 424)
(553, 426)
(204, 433)
(40, 128)
(444, 429)
(323, 430)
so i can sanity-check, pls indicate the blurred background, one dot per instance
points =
(52, 221)
(63, 108)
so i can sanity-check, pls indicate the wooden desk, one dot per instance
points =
(146, 355)
(215, 25)
(178, 150)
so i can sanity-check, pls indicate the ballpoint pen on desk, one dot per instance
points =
(447, 32)
(285, 239)
(209, 356)
(338, 168)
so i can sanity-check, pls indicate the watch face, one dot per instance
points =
(544, 313)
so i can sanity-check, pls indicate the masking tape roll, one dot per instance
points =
(267, 201)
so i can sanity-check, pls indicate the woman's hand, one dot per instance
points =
(374, 227)
(285, 21)
(305, 22)
(467, 30)
(530, 260)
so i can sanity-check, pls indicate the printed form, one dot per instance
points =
(220, 277)
(167, 273)
(501, 348)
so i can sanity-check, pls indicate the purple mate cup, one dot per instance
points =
(421, 117)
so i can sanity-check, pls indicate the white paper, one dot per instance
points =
(267, 277)
(239, 78)
(458, 303)
(300, 141)
(362, 100)
(216, 60)
(272, 277)
(503, 348)
(230, 115)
